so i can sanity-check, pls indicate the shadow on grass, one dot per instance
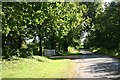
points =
(65, 55)
(11, 59)
(74, 56)
(69, 54)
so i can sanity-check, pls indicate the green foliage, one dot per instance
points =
(25, 52)
(57, 25)
(72, 50)
(8, 52)
(64, 54)
(35, 51)
(106, 30)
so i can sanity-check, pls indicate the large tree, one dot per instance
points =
(106, 31)
(56, 24)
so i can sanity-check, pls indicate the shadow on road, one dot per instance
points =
(80, 56)
(112, 69)
(95, 65)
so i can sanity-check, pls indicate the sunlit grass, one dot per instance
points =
(69, 54)
(39, 67)
(71, 51)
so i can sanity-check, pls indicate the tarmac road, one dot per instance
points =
(91, 65)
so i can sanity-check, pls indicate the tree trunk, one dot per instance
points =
(3, 42)
(19, 42)
(40, 45)
(65, 46)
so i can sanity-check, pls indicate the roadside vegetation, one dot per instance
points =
(37, 67)
(71, 51)
(40, 67)
(111, 53)
(105, 37)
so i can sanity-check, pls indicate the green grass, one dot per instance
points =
(39, 67)
(69, 53)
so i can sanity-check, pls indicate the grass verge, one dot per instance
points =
(39, 67)
(69, 54)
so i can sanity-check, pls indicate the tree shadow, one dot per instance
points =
(64, 57)
(112, 69)
(78, 56)
(110, 66)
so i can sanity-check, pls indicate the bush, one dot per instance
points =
(71, 49)
(25, 52)
(35, 51)
(7, 52)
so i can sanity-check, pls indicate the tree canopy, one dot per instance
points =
(105, 35)
(57, 25)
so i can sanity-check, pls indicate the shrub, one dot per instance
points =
(25, 52)
(35, 51)
(71, 49)
(8, 52)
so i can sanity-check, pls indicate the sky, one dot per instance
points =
(107, 0)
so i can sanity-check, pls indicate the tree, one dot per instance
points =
(14, 21)
(57, 25)
(106, 31)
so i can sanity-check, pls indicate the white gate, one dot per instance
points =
(49, 52)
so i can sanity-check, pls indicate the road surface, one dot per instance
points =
(90, 65)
